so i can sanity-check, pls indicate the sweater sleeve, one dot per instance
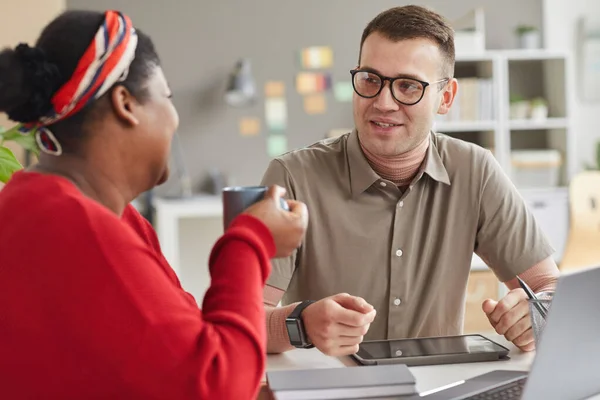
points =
(161, 345)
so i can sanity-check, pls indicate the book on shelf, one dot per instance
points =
(474, 101)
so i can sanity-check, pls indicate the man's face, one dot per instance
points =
(385, 126)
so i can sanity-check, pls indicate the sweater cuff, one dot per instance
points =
(258, 228)
(278, 339)
(253, 232)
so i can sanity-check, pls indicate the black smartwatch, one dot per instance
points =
(295, 327)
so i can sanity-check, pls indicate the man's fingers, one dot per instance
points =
(354, 303)
(352, 331)
(517, 329)
(526, 341)
(488, 306)
(347, 350)
(349, 340)
(507, 303)
(512, 317)
(353, 318)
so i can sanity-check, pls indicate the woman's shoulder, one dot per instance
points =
(36, 204)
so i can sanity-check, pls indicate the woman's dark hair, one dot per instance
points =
(29, 77)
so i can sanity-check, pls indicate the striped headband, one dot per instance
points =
(105, 62)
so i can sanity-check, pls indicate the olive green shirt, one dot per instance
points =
(406, 253)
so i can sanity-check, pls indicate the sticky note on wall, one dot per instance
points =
(276, 113)
(249, 126)
(343, 91)
(310, 82)
(276, 145)
(274, 89)
(316, 57)
(315, 104)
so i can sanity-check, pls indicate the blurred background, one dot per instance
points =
(254, 79)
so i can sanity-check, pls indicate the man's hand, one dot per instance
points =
(336, 324)
(510, 317)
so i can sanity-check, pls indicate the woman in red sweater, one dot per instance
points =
(89, 307)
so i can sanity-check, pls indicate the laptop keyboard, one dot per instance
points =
(512, 390)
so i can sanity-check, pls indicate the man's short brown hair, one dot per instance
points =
(415, 22)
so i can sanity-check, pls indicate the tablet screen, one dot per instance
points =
(427, 347)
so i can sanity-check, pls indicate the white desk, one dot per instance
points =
(428, 377)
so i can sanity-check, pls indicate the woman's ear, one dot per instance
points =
(125, 105)
(448, 96)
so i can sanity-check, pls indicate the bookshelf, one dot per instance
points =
(483, 111)
(493, 109)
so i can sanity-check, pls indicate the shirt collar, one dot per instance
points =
(362, 175)
(434, 166)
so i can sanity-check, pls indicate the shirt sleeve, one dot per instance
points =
(160, 344)
(283, 268)
(508, 238)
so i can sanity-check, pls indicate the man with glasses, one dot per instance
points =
(398, 210)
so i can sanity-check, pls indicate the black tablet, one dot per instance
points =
(430, 350)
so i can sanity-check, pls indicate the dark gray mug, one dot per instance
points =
(237, 198)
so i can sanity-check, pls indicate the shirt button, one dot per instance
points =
(401, 204)
(397, 301)
(383, 184)
(399, 253)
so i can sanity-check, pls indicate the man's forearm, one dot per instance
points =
(277, 337)
(542, 277)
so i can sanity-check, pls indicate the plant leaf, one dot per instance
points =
(8, 164)
(25, 140)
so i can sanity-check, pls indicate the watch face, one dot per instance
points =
(294, 332)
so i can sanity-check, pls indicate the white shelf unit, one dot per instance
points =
(529, 74)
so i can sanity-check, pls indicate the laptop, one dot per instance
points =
(565, 366)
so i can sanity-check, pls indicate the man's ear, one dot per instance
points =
(125, 105)
(448, 96)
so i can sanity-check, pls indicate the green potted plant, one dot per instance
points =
(539, 109)
(8, 162)
(519, 107)
(528, 36)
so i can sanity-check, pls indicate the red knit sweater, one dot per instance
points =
(90, 309)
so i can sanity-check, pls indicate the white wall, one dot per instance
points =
(561, 22)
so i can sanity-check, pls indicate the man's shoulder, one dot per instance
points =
(457, 154)
(326, 152)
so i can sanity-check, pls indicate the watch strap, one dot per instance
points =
(299, 308)
(295, 326)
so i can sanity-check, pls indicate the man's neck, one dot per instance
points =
(401, 168)
(92, 182)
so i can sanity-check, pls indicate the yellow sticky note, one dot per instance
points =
(306, 83)
(315, 104)
(274, 89)
(249, 126)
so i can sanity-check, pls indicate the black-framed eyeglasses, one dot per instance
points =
(408, 91)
